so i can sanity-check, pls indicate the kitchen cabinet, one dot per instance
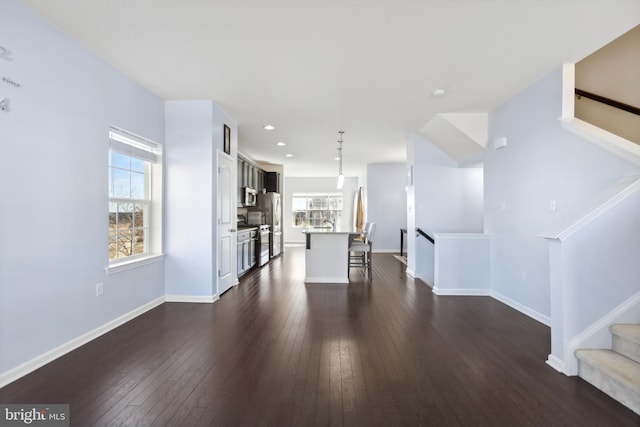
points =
(246, 253)
(240, 181)
(249, 175)
(260, 179)
(272, 182)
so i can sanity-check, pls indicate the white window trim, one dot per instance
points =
(151, 152)
(133, 262)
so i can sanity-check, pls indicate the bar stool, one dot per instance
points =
(360, 250)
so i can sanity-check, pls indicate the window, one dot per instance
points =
(316, 209)
(135, 190)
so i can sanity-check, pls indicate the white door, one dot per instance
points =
(226, 223)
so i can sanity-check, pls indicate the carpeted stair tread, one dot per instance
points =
(614, 365)
(627, 331)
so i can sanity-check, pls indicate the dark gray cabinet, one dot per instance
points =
(272, 182)
(249, 175)
(246, 254)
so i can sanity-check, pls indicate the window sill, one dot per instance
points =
(133, 263)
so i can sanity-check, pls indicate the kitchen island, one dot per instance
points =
(327, 255)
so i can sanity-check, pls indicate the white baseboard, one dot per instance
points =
(413, 275)
(555, 363)
(462, 292)
(545, 320)
(205, 299)
(426, 282)
(39, 361)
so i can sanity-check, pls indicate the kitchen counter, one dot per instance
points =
(327, 255)
(328, 230)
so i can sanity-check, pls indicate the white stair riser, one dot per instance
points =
(626, 348)
(628, 397)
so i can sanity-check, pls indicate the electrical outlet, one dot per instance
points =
(99, 289)
(523, 276)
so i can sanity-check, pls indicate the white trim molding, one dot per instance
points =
(555, 363)
(462, 292)
(545, 320)
(204, 299)
(133, 263)
(51, 355)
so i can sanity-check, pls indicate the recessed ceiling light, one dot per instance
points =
(438, 93)
(268, 127)
(337, 158)
(288, 155)
(281, 144)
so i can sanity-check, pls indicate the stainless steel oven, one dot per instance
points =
(263, 245)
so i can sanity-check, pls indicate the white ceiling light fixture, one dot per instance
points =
(268, 127)
(438, 93)
(288, 155)
(340, 175)
(281, 144)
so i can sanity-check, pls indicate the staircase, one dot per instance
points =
(616, 371)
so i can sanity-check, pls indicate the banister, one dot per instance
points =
(425, 235)
(610, 102)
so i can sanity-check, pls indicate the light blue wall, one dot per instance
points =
(194, 134)
(541, 162)
(53, 191)
(387, 203)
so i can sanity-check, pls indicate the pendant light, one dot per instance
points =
(340, 176)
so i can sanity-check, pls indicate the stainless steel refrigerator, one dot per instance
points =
(270, 204)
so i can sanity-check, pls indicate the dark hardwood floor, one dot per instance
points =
(274, 351)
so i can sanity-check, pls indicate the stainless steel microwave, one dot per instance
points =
(250, 196)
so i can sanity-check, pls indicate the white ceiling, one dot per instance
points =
(311, 68)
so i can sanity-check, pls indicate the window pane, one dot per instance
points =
(138, 220)
(299, 203)
(139, 241)
(300, 219)
(120, 160)
(110, 182)
(121, 183)
(113, 209)
(125, 216)
(137, 185)
(137, 165)
(112, 244)
(125, 243)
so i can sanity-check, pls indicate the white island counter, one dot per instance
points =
(327, 255)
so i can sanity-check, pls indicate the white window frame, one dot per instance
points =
(321, 214)
(150, 152)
